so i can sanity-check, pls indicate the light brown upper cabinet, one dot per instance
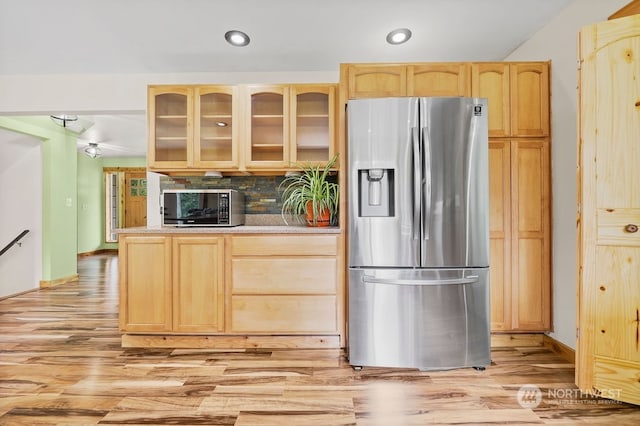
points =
(266, 109)
(424, 79)
(312, 123)
(288, 124)
(518, 94)
(439, 79)
(170, 115)
(192, 127)
(374, 81)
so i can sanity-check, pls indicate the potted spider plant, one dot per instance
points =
(309, 196)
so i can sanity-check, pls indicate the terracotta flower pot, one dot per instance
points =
(323, 220)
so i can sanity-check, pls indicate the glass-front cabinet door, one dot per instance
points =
(312, 123)
(215, 128)
(170, 111)
(267, 109)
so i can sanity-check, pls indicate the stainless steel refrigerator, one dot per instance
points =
(418, 233)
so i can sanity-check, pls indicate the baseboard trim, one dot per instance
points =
(95, 252)
(59, 281)
(510, 340)
(559, 348)
(230, 341)
(9, 296)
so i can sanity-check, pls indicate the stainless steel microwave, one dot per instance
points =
(202, 207)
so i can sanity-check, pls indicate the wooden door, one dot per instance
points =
(145, 283)
(500, 233)
(608, 352)
(531, 234)
(135, 200)
(376, 81)
(529, 93)
(198, 284)
(439, 79)
(491, 80)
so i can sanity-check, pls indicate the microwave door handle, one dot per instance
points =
(416, 224)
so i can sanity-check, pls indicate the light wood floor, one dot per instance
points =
(61, 363)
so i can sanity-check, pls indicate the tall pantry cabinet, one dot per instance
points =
(519, 156)
(608, 350)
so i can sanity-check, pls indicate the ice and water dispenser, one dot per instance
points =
(376, 192)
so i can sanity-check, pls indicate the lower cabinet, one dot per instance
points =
(520, 233)
(198, 284)
(144, 264)
(284, 284)
(171, 284)
(266, 286)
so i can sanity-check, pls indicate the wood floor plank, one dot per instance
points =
(62, 362)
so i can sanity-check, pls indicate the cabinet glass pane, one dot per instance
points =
(171, 127)
(216, 134)
(312, 127)
(267, 127)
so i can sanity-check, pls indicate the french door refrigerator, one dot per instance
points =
(418, 233)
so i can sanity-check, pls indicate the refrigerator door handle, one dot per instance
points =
(417, 201)
(426, 174)
(373, 280)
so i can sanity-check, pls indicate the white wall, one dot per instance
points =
(558, 42)
(20, 209)
(103, 93)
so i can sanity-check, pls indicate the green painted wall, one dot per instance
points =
(59, 213)
(91, 204)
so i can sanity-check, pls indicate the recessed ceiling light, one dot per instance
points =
(398, 36)
(236, 38)
(221, 124)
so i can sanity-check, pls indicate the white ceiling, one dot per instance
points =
(184, 36)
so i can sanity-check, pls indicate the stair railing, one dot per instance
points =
(15, 241)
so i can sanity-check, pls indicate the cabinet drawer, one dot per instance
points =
(283, 314)
(284, 276)
(297, 245)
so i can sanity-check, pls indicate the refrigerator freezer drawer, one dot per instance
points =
(425, 319)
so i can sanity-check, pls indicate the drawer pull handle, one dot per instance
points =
(631, 228)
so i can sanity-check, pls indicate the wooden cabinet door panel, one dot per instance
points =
(284, 314)
(530, 224)
(500, 233)
(439, 79)
(299, 275)
(216, 126)
(145, 283)
(170, 115)
(284, 245)
(529, 99)
(198, 284)
(491, 80)
(376, 81)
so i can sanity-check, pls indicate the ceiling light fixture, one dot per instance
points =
(399, 36)
(63, 119)
(92, 150)
(236, 38)
(221, 124)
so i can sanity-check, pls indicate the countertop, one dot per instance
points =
(242, 229)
